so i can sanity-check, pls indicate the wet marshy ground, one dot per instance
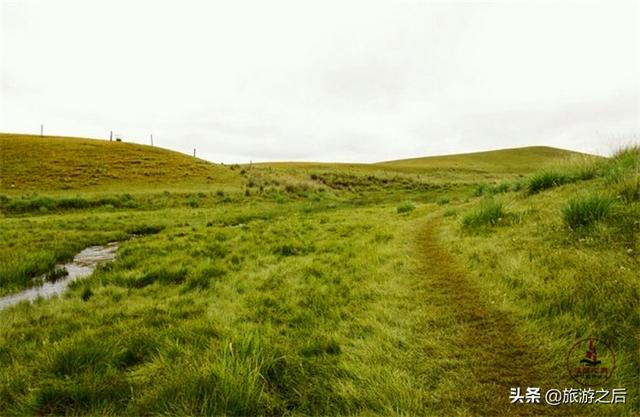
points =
(82, 265)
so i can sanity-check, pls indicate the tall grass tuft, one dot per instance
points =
(546, 179)
(624, 162)
(489, 213)
(56, 273)
(585, 211)
(628, 188)
(405, 207)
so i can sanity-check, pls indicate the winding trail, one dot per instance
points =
(489, 354)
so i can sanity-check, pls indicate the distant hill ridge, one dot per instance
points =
(50, 163)
(514, 160)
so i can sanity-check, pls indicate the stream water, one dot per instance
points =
(83, 265)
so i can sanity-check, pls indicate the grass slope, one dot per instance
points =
(471, 168)
(33, 163)
(515, 161)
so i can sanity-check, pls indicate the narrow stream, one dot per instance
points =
(83, 265)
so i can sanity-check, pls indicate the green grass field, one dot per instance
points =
(424, 287)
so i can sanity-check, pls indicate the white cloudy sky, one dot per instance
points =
(325, 80)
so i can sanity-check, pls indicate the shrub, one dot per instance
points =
(544, 180)
(585, 211)
(405, 207)
(489, 213)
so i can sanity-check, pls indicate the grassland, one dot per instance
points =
(54, 164)
(423, 287)
(502, 161)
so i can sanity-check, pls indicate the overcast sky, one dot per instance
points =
(325, 80)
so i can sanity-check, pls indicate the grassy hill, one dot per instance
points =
(57, 164)
(517, 160)
(447, 170)
(33, 163)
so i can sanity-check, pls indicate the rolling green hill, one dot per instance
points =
(517, 160)
(469, 168)
(33, 163)
(55, 164)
